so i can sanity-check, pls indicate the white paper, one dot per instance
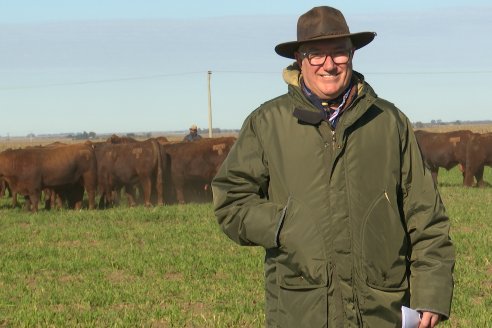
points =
(410, 318)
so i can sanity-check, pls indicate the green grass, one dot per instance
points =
(470, 210)
(172, 266)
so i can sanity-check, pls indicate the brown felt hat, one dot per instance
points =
(322, 23)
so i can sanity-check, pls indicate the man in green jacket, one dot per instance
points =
(329, 179)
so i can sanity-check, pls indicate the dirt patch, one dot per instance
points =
(119, 277)
(174, 276)
(68, 243)
(70, 278)
(197, 308)
(158, 324)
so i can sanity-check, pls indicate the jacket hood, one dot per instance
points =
(292, 74)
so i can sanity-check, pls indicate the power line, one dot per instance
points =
(429, 73)
(124, 79)
(158, 76)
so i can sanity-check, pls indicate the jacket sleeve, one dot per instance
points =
(432, 252)
(240, 193)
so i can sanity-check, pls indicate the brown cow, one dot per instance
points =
(162, 140)
(443, 149)
(129, 165)
(190, 167)
(115, 139)
(70, 195)
(479, 154)
(29, 171)
(57, 197)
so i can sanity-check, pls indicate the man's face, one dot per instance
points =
(327, 80)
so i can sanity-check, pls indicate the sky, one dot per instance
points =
(121, 66)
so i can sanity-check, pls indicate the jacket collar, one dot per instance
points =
(307, 113)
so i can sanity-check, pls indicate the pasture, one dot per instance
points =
(171, 266)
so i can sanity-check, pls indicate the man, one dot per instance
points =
(193, 135)
(328, 178)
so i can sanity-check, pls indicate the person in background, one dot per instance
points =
(329, 180)
(193, 135)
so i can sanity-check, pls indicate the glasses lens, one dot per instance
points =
(316, 58)
(338, 57)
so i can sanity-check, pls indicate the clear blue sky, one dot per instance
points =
(118, 66)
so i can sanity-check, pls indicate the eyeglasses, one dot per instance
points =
(318, 58)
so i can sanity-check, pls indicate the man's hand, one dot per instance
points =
(429, 320)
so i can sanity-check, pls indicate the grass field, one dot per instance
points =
(172, 267)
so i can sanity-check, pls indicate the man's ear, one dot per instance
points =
(298, 58)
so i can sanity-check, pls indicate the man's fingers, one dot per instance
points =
(429, 320)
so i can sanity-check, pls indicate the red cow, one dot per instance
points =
(28, 171)
(443, 149)
(191, 166)
(129, 165)
(479, 154)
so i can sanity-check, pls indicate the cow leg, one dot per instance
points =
(147, 189)
(115, 197)
(57, 200)
(102, 200)
(180, 192)
(2, 187)
(27, 202)
(91, 195)
(160, 193)
(14, 199)
(47, 199)
(469, 174)
(479, 177)
(78, 206)
(34, 201)
(130, 195)
(434, 173)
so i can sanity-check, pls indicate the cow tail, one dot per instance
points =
(159, 174)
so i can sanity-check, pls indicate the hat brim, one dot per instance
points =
(359, 40)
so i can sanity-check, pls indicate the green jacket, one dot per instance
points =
(351, 221)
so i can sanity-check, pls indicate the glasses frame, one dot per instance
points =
(305, 54)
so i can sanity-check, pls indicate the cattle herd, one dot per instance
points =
(151, 172)
(471, 151)
(156, 171)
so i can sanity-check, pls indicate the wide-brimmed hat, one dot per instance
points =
(322, 23)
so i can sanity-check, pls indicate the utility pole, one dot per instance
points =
(209, 107)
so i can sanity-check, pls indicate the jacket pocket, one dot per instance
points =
(301, 246)
(302, 301)
(289, 278)
(384, 247)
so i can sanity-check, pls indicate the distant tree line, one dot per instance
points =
(217, 131)
(420, 125)
(82, 136)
